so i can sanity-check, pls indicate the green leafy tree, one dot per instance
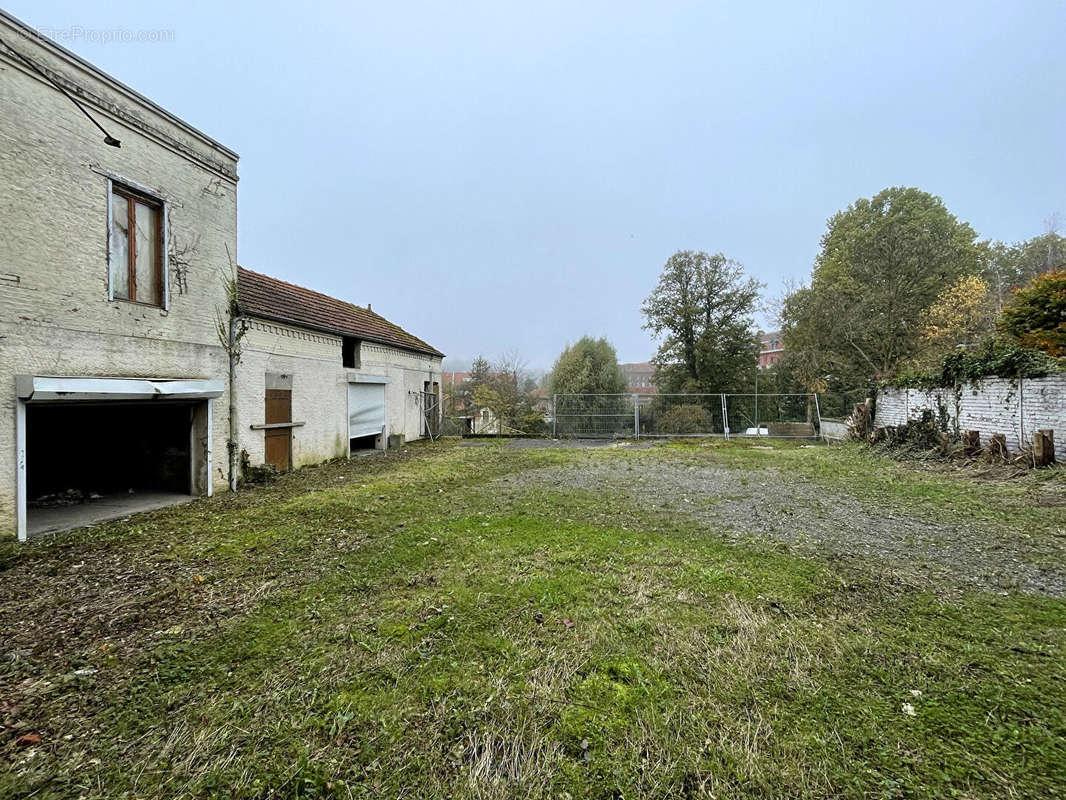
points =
(1009, 266)
(701, 313)
(884, 262)
(588, 366)
(1036, 316)
(480, 374)
(506, 389)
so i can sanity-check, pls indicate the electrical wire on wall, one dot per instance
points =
(108, 138)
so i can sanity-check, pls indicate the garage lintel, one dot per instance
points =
(34, 388)
(360, 377)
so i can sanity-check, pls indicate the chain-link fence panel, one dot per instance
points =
(671, 415)
(593, 415)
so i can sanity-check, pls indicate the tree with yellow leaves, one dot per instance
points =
(962, 314)
(1036, 316)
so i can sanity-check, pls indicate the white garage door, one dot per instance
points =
(366, 409)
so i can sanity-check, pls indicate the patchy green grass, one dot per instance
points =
(387, 629)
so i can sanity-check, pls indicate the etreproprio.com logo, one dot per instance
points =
(73, 34)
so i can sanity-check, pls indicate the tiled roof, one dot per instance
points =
(262, 296)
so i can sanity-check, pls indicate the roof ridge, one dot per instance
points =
(315, 291)
(332, 314)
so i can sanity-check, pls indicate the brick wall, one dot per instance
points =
(994, 405)
(55, 316)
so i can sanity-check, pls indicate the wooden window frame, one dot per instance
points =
(134, 196)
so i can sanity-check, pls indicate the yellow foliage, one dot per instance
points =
(961, 312)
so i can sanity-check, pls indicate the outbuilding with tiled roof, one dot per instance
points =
(319, 377)
(269, 298)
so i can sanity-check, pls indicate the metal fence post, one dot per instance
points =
(725, 418)
(555, 416)
(818, 413)
(636, 417)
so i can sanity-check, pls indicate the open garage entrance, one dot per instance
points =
(87, 462)
(90, 450)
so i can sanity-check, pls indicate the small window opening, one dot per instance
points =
(350, 352)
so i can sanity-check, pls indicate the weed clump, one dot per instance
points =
(256, 474)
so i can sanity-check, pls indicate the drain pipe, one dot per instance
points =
(233, 446)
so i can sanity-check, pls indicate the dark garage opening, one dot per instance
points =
(89, 462)
(362, 443)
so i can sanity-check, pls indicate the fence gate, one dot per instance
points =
(672, 415)
(429, 410)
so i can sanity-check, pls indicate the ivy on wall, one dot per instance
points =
(994, 358)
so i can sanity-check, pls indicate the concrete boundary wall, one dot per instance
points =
(1015, 408)
(835, 430)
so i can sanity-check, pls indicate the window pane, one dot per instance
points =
(147, 255)
(120, 247)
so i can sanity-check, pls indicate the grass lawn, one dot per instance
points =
(457, 621)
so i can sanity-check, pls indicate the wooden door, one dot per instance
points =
(279, 440)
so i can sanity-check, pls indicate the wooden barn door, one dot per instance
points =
(279, 440)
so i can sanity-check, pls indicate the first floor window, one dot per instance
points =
(136, 244)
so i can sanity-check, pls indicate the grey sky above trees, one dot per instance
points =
(499, 176)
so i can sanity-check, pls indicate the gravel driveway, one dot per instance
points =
(770, 505)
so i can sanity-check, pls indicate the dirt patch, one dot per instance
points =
(767, 505)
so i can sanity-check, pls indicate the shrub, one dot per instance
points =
(688, 418)
(922, 435)
(1036, 316)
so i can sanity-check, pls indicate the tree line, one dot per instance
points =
(899, 287)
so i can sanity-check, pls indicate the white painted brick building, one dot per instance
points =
(342, 376)
(116, 264)
(112, 266)
(1015, 408)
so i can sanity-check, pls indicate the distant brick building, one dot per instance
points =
(640, 380)
(640, 377)
(771, 348)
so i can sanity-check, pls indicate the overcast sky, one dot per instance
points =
(500, 175)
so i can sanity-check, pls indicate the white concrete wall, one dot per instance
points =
(320, 388)
(55, 317)
(994, 405)
(834, 429)
(319, 395)
(407, 374)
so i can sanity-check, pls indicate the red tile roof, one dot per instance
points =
(268, 298)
